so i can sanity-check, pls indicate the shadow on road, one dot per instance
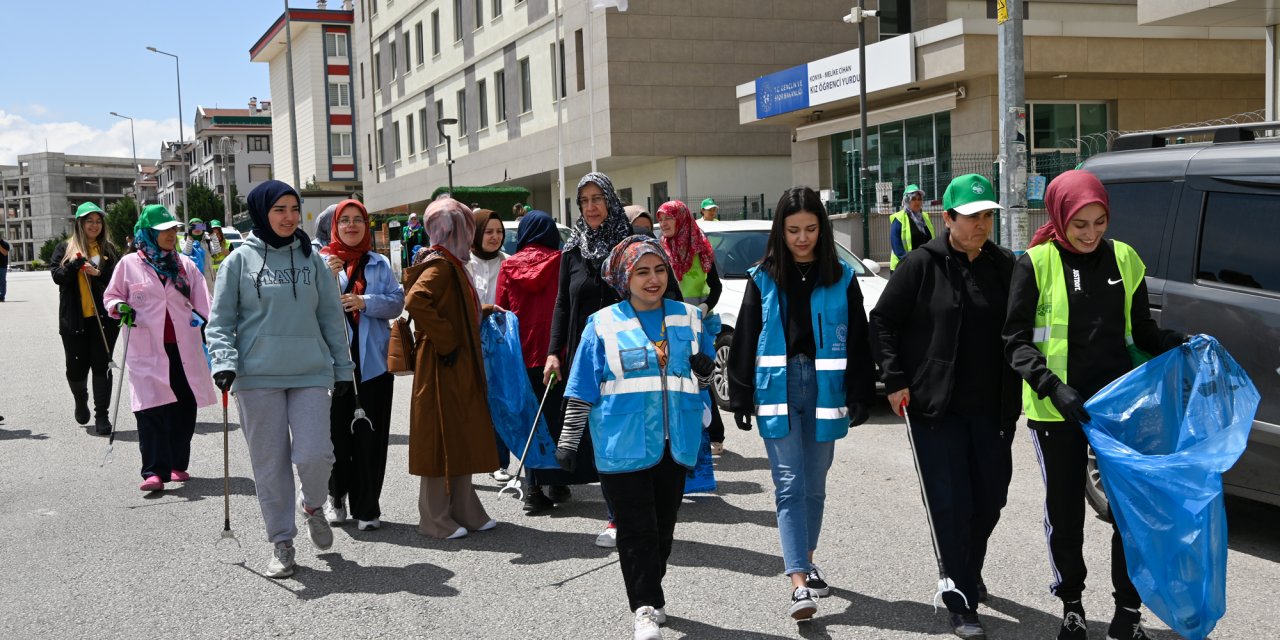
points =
(738, 487)
(202, 429)
(1252, 528)
(21, 434)
(733, 462)
(695, 629)
(715, 510)
(196, 489)
(344, 576)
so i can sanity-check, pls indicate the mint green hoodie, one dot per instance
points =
(280, 327)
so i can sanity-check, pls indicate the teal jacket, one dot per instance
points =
(276, 320)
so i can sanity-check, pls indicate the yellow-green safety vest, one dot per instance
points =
(1053, 317)
(904, 226)
(694, 283)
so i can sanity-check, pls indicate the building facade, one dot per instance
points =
(41, 193)
(233, 148)
(171, 173)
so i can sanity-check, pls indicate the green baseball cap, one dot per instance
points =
(710, 204)
(195, 221)
(215, 224)
(88, 208)
(155, 216)
(969, 194)
(914, 188)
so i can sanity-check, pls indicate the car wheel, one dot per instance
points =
(1093, 490)
(720, 380)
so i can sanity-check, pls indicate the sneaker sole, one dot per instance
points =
(285, 573)
(803, 611)
(611, 544)
(821, 593)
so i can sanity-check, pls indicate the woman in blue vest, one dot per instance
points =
(637, 381)
(1077, 308)
(800, 362)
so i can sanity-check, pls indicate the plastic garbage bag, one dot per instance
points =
(702, 477)
(1164, 434)
(512, 403)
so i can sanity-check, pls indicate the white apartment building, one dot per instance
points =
(171, 173)
(649, 93)
(233, 147)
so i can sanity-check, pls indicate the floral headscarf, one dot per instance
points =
(165, 263)
(596, 243)
(623, 258)
(687, 241)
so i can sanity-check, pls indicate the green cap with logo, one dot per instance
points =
(710, 204)
(969, 194)
(913, 188)
(215, 224)
(88, 208)
(155, 216)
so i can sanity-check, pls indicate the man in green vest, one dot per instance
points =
(910, 227)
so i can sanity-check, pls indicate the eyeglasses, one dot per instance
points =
(596, 200)
(350, 222)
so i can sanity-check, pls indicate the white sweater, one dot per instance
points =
(484, 276)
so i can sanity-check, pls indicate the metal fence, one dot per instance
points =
(729, 207)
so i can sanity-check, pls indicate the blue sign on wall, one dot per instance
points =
(781, 92)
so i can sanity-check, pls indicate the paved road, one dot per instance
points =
(85, 554)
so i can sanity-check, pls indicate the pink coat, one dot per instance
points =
(136, 283)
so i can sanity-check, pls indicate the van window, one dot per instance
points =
(1237, 241)
(1140, 211)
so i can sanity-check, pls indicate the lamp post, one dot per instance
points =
(858, 15)
(448, 146)
(182, 136)
(226, 142)
(137, 191)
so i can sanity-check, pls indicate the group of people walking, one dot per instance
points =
(618, 329)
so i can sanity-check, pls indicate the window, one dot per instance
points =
(395, 131)
(435, 32)
(368, 149)
(462, 112)
(417, 33)
(1241, 259)
(260, 143)
(457, 20)
(439, 114)
(1060, 126)
(557, 81)
(378, 149)
(526, 87)
(259, 172)
(479, 13)
(408, 134)
(373, 4)
(500, 96)
(339, 94)
(625, 196)
(377, 72)
(658, 191)
(580, 60)
(482, 99)
(1145, 206)
(894, 18)
(362, 80)
(395, 62)
(497, 8)
(422, 121)
(340, 144)
(335, 45)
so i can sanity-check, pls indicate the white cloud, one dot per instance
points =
(20, 136)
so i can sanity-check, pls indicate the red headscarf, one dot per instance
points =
(1066, 196)
(351, 255)
(687, 241)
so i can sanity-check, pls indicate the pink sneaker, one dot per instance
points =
(152, 483)
(179, 476)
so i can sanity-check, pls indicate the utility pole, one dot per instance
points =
(1013, 124)
(293, 109)
(858, 15)
(226, 180)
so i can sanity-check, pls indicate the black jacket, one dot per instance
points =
(916, 329)
(71, 319)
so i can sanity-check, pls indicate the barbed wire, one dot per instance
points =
(1095, 143)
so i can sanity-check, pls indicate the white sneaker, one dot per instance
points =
(501, 476)
(647, 624)
(318, 528)
(335, 514)
(608, 539)
(282, 564)
(488, 525)
(368, 525)
(660, 615)
(803, 604)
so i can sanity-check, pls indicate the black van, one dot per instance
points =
(1205, 218)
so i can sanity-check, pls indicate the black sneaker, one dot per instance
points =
(1126, 624)
(983, 596)
(815, 582)
(967, 625)
(559, 493)
(803, 604)
(1074, 626)
(536, 502)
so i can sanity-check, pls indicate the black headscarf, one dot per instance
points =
(537, 227)
(260, 201)
(595, 244)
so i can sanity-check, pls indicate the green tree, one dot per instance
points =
(204, 203)
(121, 217)
(46, 249)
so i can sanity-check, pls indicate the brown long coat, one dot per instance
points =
(450, 430)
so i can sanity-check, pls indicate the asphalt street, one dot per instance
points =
(84, 554)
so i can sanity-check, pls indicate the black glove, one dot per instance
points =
(567, 459)
(702, 364)
(858, 414)
(342, 387)
(1186, 337)
(743, 420)
(77, 264)
(1069, 403)
(224, 379)
(449, 358)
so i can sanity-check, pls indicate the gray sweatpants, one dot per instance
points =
(284, 427)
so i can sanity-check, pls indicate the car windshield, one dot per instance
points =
(509, 243)
(737, 251)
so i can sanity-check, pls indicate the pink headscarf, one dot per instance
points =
(450, 224)
(1066, 196)
(687, 241)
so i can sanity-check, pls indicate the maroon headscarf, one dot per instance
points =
(1066, 196)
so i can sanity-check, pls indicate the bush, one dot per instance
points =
(46, 249)
(499, 199)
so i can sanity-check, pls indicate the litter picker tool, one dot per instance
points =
(111, 363)
(359, 414)
(945, 583)
(115, 413)
(514, 483)
(227, 534)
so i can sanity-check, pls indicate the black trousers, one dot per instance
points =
(164, 432)
(716, 428)
(360, 456)
(645, 507)
(1063, 458)
(966, 464)
(84, 351)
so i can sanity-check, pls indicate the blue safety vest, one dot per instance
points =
(643, 406)
(829, 311)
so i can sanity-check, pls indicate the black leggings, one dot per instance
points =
(360, 456)
(84, 351)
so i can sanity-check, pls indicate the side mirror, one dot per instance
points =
(871, 265)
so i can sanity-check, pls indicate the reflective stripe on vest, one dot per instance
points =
(904, 228)
(1053, 316)
(829, 314)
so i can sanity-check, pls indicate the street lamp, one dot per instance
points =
(226, 141)
(858, 15)
(182, 135)
(137, 173)
(448, 146)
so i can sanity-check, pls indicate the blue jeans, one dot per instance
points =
(799, 465)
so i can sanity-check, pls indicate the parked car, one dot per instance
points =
(233, 236)
(509, 243)
(739, 245)
(1204, 217)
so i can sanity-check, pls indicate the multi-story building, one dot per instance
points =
(323, 109)
(171, 173)
(147, 186)
(233, 147)
(647, 93)
(40, 195)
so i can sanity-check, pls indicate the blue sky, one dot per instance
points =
(69, 63)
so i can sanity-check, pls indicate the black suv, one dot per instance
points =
(1205, 218)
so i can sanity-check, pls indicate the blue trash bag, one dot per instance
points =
(1164, 434)
(512, 403)
(702, 477)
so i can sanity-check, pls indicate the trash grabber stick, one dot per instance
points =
(226, 475)
(514, 483)
(359, 413)
(106, 346)
(945, 583)
(115, 413)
